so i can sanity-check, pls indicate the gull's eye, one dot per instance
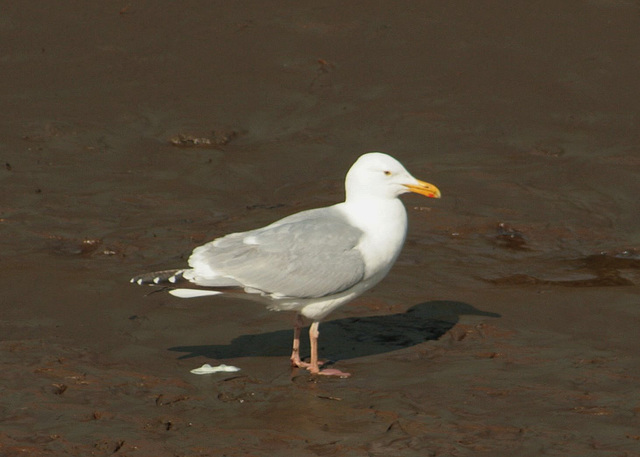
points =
(387, 173)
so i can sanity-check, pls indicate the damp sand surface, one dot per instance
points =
(133, 131)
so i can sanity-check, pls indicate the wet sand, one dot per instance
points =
(133, 131)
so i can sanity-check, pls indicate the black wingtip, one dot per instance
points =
(158, 278)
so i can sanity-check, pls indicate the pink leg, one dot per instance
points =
(314, 365)
(295, 354)
(313, 340)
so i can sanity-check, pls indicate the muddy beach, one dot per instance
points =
(132, 132)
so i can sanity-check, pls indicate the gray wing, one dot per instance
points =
(307, 255)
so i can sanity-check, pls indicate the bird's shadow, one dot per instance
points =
(350, 337)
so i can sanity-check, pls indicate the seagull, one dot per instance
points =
(310, 262)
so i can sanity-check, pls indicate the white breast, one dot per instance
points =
(384, 223)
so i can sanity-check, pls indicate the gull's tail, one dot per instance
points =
(173, 278)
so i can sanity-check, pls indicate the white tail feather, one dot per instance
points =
(190, 293)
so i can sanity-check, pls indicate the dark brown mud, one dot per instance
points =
(132, 131)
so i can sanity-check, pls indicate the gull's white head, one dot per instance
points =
(378, 175)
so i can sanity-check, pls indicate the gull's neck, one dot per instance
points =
(369, 213)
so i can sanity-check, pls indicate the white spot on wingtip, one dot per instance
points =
(139, 281)
(173, 279)
(156, 280)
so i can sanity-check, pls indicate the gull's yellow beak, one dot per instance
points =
(424, 188)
